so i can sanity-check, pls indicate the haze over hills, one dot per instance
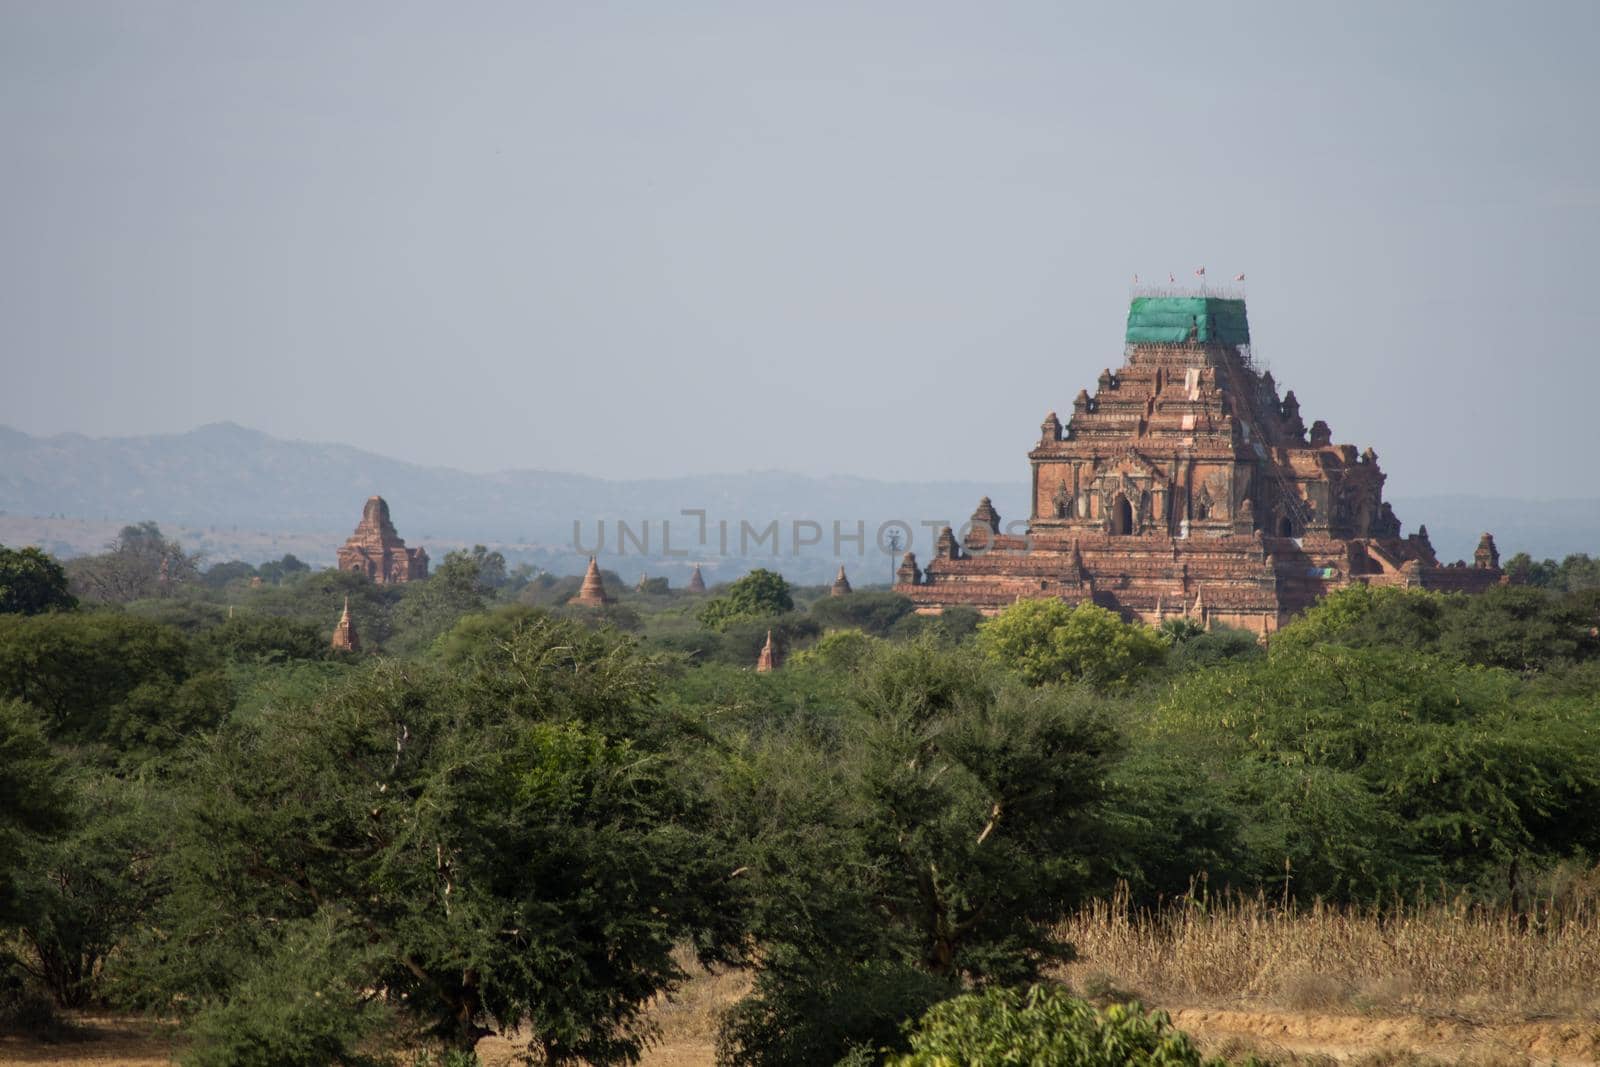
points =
(224, 477)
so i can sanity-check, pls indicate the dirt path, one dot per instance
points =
(688, 1038)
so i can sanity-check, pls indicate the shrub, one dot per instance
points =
(839, 650)
(1051, 641)
(1045, 1027)
(25, 1007)
(298, 1006)
(826, 1015)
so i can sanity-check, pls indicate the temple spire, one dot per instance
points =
(841, 584)
(769, 657)
(593, 592)
(345, 638)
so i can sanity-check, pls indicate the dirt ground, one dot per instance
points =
(688, 1024)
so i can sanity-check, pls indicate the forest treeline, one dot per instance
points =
(505, 811)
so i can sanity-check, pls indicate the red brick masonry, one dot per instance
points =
(1186, 487)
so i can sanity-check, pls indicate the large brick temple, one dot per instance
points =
(1185, 486)
(376, 550)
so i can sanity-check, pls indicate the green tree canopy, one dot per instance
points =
(129, 685)
(33, 803)
(934, 830)
(494, 838)
(32, 582)
(1048, 640)
(1368, 768)
(758, 594)
(871, 610)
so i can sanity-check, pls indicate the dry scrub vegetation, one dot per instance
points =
(1425, 958)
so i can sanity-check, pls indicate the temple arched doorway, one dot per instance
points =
(1285, 527)
(1121, 516)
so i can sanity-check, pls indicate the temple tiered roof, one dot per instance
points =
(1185, 472)
(376, 550)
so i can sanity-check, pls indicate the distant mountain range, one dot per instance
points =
(266, 492)
(226, 479)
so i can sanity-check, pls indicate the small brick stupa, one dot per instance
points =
(770, 659)
(697, 582)
(593, 593)
(841, 584)
(1187, 484)
(375, 549)
(345, 638)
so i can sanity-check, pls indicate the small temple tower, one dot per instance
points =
(697, 581)
(593, 593)
(841, 584)
(770, 659)
(345, 638)
(377, 551)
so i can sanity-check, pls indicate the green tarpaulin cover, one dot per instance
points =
(1170, 318)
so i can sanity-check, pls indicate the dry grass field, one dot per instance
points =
(1422, 985)
(1451, 983)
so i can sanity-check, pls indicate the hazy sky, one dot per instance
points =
(870, 238)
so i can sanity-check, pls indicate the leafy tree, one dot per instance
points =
(500, 836)
(1366, 768)
(835, 1014)
(84, 891)
(1523, 629)
(870, 610)
(758, 594)
(1050, 641)
(32, 582)
(1045, 1027)
(299, 1004)
(838, 650)
(1577, 572)
(1368, 616)
(252, 638)
(316, 598)
(491, 568)
(1172, 814)
(546, 590)
(280, 570)
(139, 563)
(182, 612)
(457, 587)
(103, 679)
(220, 575)
(743, 636)
(1194, 647)
(942, 826)
(33, 804)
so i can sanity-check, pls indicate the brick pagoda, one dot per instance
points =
(1186, 486)
(345, 638)
(592, 594)
(375, 549)
(841, 584)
